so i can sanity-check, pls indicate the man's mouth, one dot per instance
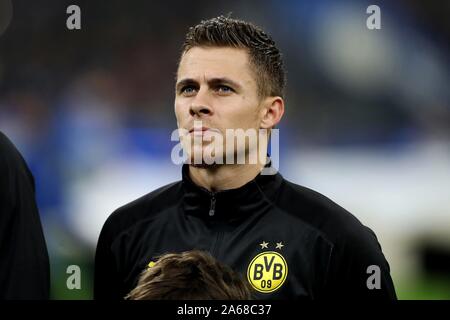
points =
(199, 129)
(203, 131)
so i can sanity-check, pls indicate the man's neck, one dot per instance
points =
(224, 177)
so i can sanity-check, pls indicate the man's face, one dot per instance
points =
(216, 86)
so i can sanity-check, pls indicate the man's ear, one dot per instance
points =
(271, 112)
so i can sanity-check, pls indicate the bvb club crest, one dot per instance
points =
(268, 270)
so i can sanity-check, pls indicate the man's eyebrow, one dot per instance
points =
(184, 82)
(211, 82)
(224, 80)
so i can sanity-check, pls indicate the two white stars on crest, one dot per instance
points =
(264, 245)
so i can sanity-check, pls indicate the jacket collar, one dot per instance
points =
(255, 196)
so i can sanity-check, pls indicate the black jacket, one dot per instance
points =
(24, 264)
(288, 241)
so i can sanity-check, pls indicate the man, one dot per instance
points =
(24, 264)
(288, 241)
(190, 275)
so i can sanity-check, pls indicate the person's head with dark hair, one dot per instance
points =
(264, 56)
(190, 275)
(230, 77)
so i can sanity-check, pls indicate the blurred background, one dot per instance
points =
(367, 118)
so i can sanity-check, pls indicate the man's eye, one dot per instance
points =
(224, 89)
(188, 90)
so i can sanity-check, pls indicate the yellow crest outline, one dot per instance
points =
(266, 281)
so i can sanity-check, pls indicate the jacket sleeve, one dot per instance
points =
(358, 269)
(107, 278)
(24, 262)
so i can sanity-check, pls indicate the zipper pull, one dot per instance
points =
(213, 206)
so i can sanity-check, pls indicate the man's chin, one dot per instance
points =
(203, 162)
(204, 165)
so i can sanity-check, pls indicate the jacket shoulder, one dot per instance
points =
(321, 213)
(143, 208)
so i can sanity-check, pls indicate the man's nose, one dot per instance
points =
(200, 105)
